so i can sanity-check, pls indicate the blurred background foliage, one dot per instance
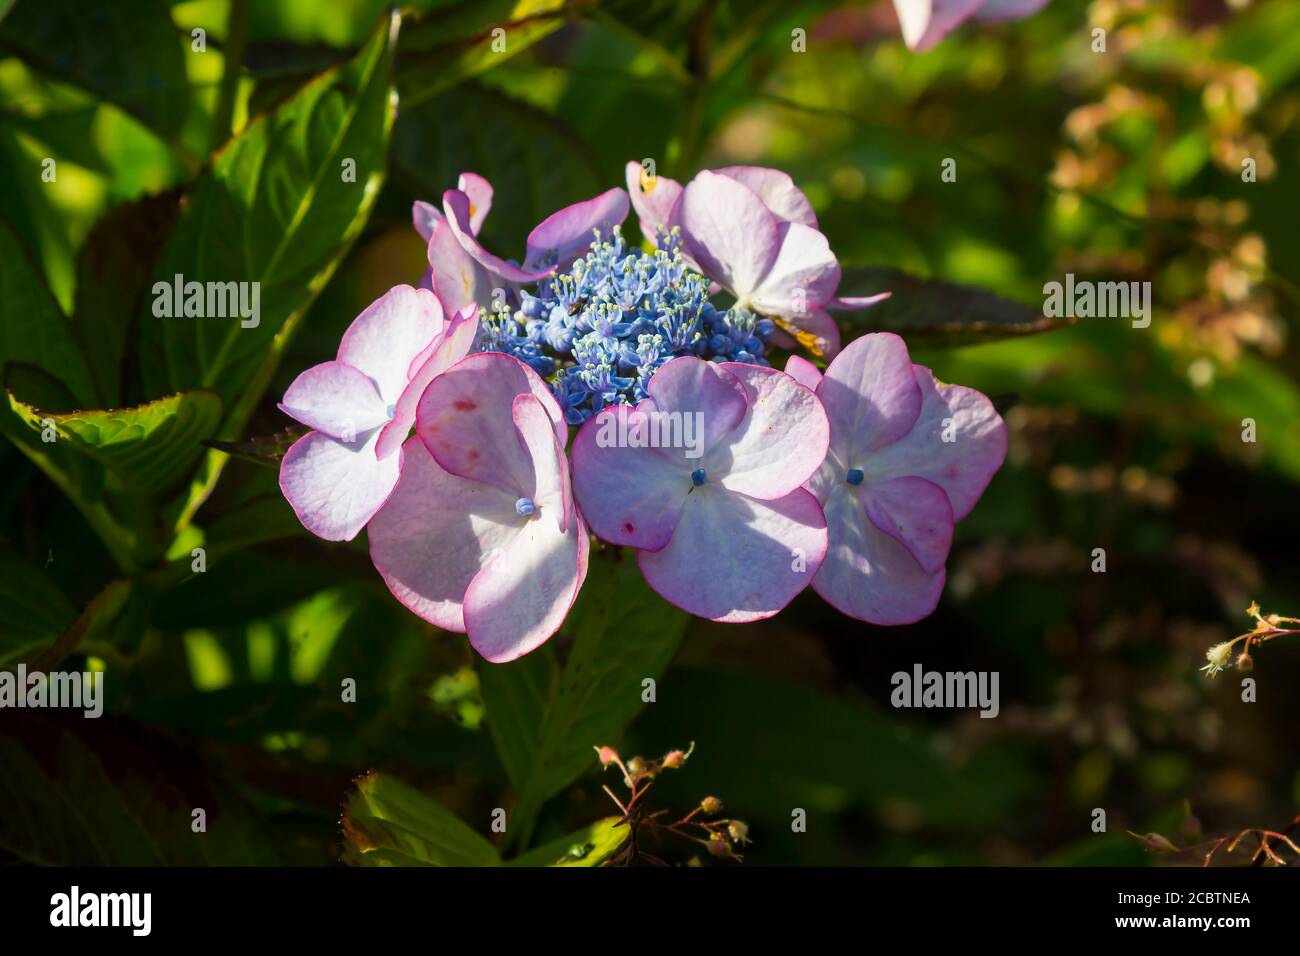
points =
(223, 686)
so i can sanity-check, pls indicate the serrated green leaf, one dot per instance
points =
(546, 720)
(590, 846)
(387, 823)
(932, 312)
(144, 449)
(273, 209)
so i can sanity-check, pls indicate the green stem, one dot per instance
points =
(236, 40)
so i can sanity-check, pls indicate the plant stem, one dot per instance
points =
(236, 40)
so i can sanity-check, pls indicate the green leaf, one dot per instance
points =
(145, 449)
(776, 744)
(545, 720)
(274, 209)
(113, 271)
(590, 846)
(454, 43)
(113, 794)
(387, 823)
(89, 47)
(33, 611)
(931, 312)
(528, 155)
(33, 330)
(92, 624)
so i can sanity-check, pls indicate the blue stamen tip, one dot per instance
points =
(699, 477)
(855, 476)
(525, 506)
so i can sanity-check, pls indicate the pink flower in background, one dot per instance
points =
(361, 406)
(481, 535)
(724, 529)
(462, 271)
(925, 22)
(908, 457)
(753, 231)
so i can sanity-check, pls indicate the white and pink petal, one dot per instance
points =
(337, 399)
(871, 396)
(958, 441)
(435, 533)
(867, 574)
(779, 443)
(336, 488)
(729, 232)
(392, 330)
(566, 235)
(736, 559)
(777, 190)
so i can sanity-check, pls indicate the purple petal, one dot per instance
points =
(524, 592)
(1008, 9)
(871, 396)
(737, 559)
(456, 207)
(550, 493)
(962, 466)
(777, 190)
(850, 303)
(803, 276)
(815, 330)
(867, 574)
(915, 513)
(712, 397)
(456, 277)
(425, 216)
(925, 22)
(656, 200)
(565, 235)
(479, 192)
(729, 232)
(629, 495)
(803, 371)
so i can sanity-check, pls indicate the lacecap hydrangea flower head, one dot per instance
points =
(736, 483)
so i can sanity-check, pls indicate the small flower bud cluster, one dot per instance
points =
(599, 331)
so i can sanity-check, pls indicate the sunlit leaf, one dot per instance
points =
(590, 846)
(144, 449)
(387, 823)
